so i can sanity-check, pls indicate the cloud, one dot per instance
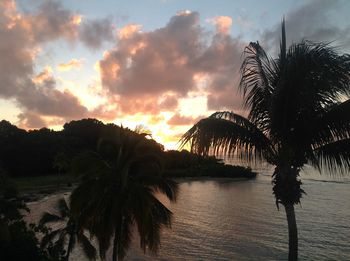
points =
(31, 120)
(45, 78)
(93, 33)
(154, 62)
(222, 23)
(144, 72)
(22, 36)
(72, 64)
(169, 102)
(178, 119)
(145, 67)
(313, 21)
(128, 30)
(52, 21)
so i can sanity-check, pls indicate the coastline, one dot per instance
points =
(37, 194)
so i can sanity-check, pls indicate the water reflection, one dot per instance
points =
(238, 220)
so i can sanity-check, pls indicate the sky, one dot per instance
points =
(161, 64)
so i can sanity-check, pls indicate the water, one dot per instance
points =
(238, 220)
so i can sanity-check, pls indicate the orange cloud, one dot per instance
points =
(128, 30)
(76, 19)
(8, 5)
(222, 23)
(44, 76)
(72, 64)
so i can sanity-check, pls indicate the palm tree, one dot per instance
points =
(299, 113)
(70, 231)
(117, 189)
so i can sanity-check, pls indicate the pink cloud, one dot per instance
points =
(143, 67)
(178, 119)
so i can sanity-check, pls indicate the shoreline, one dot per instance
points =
(37, 194)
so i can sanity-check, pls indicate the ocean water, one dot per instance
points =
(224, 219)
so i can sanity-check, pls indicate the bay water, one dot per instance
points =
(225, 219)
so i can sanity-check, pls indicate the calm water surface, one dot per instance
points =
(238, 220)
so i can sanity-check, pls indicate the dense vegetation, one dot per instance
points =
(18, 241)
(48, 152)
(115, 193)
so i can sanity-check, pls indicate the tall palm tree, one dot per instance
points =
(70, 230)
(117, 189)
(299, 112)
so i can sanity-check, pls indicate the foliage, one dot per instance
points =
(29, 153)
(179, 164)
(45, 152)
(54, 240)
(17, 240)
(116, 193)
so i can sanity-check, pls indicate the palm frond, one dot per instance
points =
(63, 208)
(333, 125)
(313, 79)
(49, 237)
(125, 236)
(229, 134)
(89, 250)
(146, 164)
(61, 242)
(89, 198)
(90, 164)
(259, 73)
(152, 216)
(335, 156)
(166, 186)
(283, 44)
(72, 242)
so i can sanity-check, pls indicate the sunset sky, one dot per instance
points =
(162, 64)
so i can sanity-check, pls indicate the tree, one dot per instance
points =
(18, 241)
(70, 230)
(299, 113)
(117, 189)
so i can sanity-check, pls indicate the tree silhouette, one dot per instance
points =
(117, 189)
(70, 230)
(299, 113)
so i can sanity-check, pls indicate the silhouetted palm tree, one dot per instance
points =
(69, 230)
(117, 192)
(299, 113)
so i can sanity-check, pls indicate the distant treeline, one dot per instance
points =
(48, 152)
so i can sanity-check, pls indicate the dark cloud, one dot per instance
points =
(51, 102)
(169, 103)
(53, 21)
(31, 120)
(315, 21)
(93, 33)
(222, 61)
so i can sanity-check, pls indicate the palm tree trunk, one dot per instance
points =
(293, 232)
